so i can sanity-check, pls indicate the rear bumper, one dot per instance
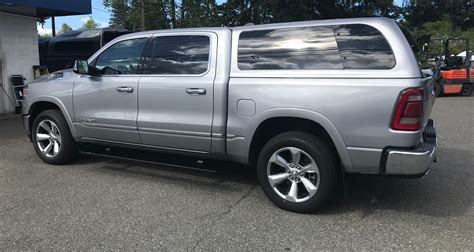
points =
(413, 162)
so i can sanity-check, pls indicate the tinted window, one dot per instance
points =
(121, 58)
(76, 47)
(108, 35)
(177, 55)
(89, 33)
(363, 47)
(415, 46)
(290, 48)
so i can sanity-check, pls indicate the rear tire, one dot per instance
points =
(466, 89)
(295, 182)
(437, 89)
(52, 139)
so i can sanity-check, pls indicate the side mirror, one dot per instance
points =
(81, 67)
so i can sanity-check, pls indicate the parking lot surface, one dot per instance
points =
(104, 203)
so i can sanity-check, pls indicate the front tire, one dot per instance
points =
(466, 89)
(52, 139)
(437, 89)
(298, 171)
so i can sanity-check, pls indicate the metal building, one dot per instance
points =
(19, 37)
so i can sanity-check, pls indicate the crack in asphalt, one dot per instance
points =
(242, 198)
(219, 216)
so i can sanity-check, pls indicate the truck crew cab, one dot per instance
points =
(300, 102)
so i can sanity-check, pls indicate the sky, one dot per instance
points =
(99, 13)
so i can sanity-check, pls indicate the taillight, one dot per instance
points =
(409, 110)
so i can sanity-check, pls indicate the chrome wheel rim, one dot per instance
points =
(48, 138)
(293, 174)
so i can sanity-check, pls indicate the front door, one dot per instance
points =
(175, 93)
(105, 104)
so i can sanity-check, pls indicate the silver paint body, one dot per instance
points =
(355, 107)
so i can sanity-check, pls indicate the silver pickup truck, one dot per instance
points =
(302, 102)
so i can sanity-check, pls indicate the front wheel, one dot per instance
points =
(437, 89)
(298, 171)
(466, 89)
(52, 139)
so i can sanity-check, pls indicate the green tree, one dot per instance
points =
(122, 14)
(156, 14)
(159, 14)
(445, 28)
(90, 24)
(65, 28)
(196, 13)
(239, 12)
(162, 14)
(459, 12)
(128, 13)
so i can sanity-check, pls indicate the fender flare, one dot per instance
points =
(60, 105)
(303, 114)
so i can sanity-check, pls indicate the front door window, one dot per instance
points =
(121, 58)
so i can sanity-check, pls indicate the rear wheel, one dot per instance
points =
(297, 171)
(52, 139)
(437, 89)
(466, 89)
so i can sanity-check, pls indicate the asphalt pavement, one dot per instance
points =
(104, 203)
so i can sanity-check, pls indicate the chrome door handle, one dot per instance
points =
(196, 91)
(125, 89)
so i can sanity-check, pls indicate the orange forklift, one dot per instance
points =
(455, 73)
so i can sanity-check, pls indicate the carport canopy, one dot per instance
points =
(46, 8)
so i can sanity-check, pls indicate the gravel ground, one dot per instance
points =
(104, 203)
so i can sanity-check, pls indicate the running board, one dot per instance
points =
(150, 157)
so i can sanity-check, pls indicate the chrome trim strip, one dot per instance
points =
(217, 135)
(235, 138)
(364, 149)
(174, 132)
(108, 126)
(232, 136)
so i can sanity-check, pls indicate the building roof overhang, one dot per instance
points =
(46, 8)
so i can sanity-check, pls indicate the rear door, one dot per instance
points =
(175, 93)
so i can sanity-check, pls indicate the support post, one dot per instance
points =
(143, 14)
(53, 26)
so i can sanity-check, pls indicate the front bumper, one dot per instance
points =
(413, 162)
(26, 124)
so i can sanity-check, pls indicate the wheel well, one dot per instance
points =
(38, 107)
(275, 126)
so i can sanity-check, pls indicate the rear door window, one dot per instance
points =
(183, 55)
(289, 49)
(363, 47)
